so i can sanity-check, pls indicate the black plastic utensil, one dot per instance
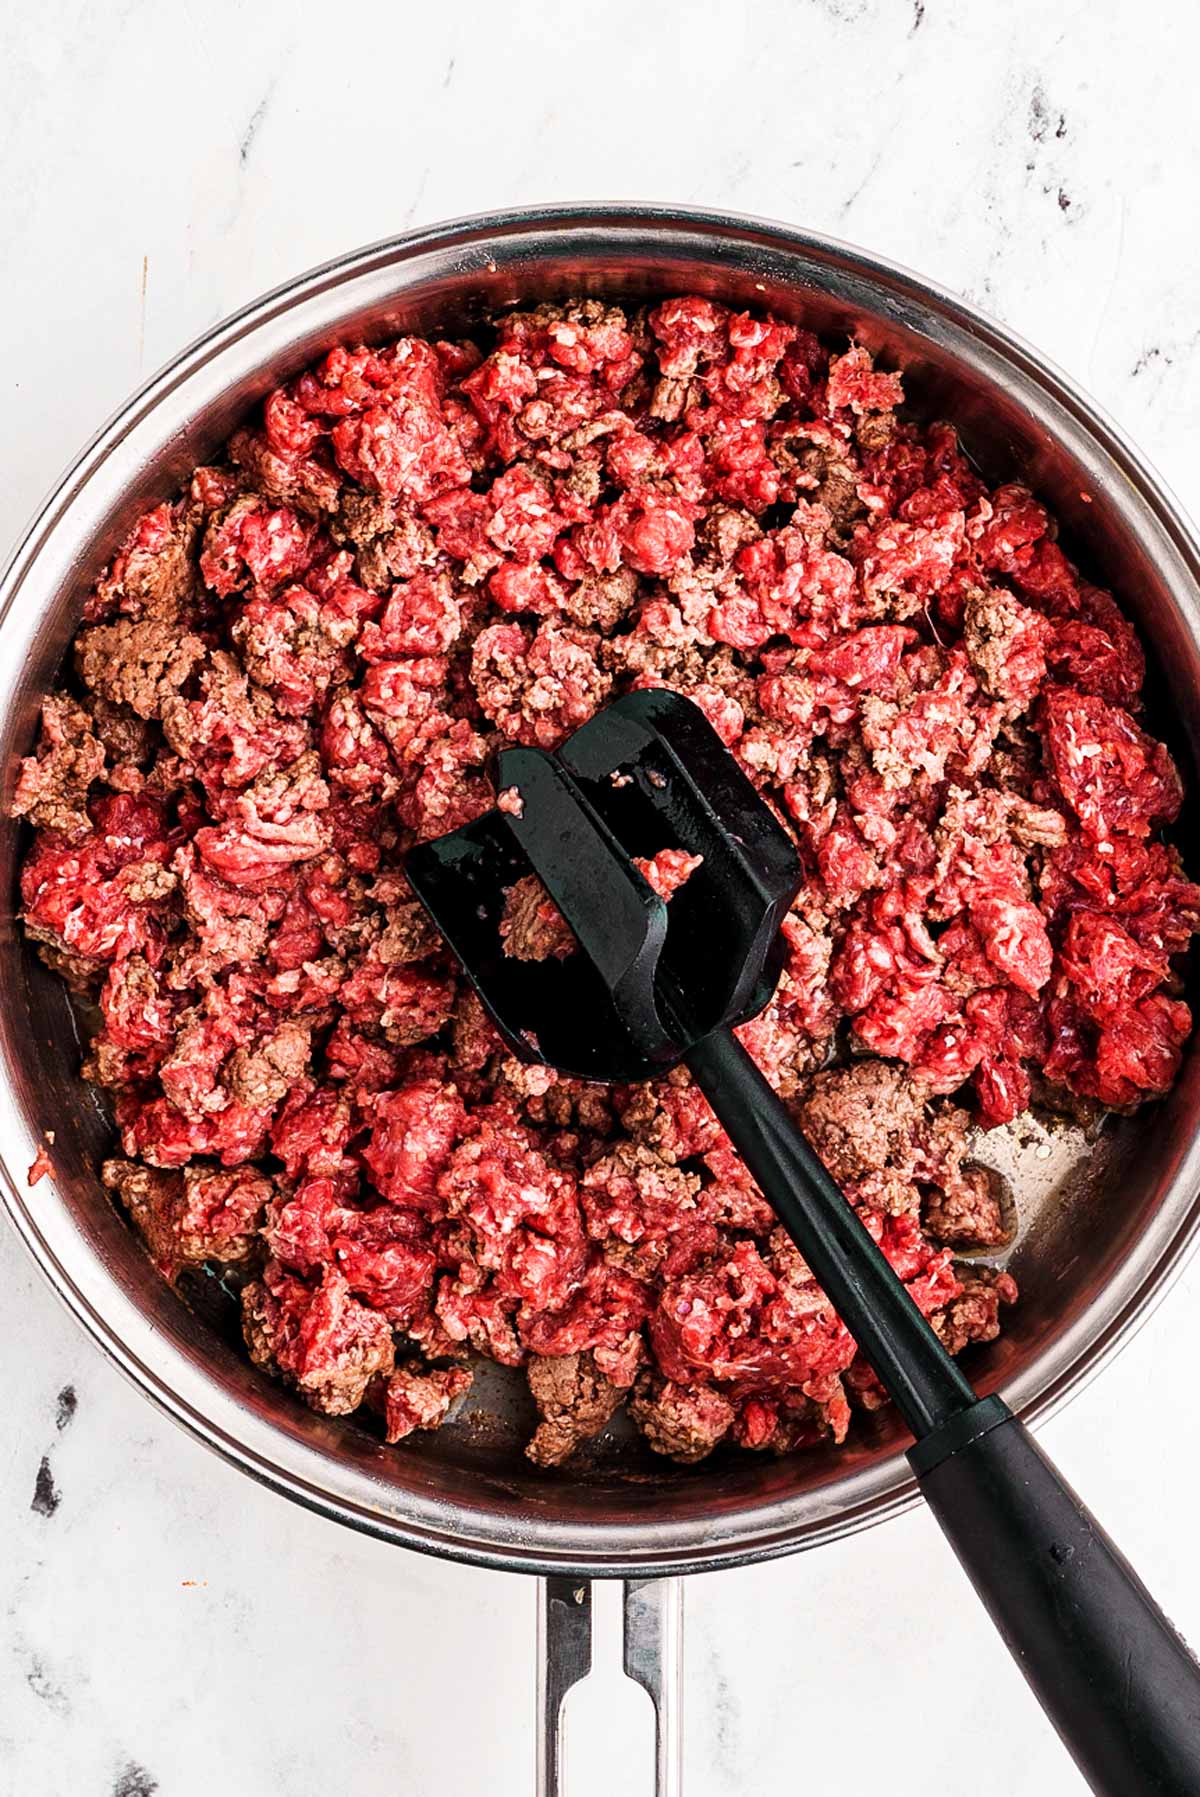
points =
(652, 985)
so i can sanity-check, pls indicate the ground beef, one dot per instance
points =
(667, 871)
(203, 1213)
(137, 664)
(968, 1212)
(974, 1315)
(127, 740)
(684, 1422)
(53, 785)
(154, 573)
(894, 1147)
(320, 1338)
(417, 1396)
(532, 928)
(574, 1400)
(1005, 644)
(264, 1074)
(301, 667)
(861, 1119)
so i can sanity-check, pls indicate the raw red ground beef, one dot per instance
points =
(302, 665)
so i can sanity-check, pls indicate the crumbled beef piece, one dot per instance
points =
(295, 647)
(310, 484)
(517, 1223)
(880, 1134)
(574, 1399)
(918, 734)
(384, 1253)
(683, 1422)
(974, 1315)
(391, 433)
(418, 1397)
(405, 1004)
(634, 1193)
(40, 1166)
(139, 664)
(1005, 644)
(253, 543)
(672, 1115)
(153, 574)
(874, 431)
(968, 1212)
(862, 1118)
(781, 1040)
(537, 689)
(750, 1317)
(101, 897)
(417, 551)
(528, 1081)
(474, 1036)
(856, 383)
(321, 1339)
(1035, 826)
(390, 541)
(53, 785)
(271, 828)
(794, 1419)
(79, 972)
(820, 471)
(407, 935)
(1115, 778)
(667, 871)
(260, 1076)
(601, 601)
(128, 740)
(231, 732)
(414, 1131)
(202, 1213)
(532, 928)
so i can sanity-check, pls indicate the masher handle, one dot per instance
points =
(919, 1376)
(1114, 1676)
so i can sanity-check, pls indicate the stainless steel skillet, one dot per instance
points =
(1104, 1225)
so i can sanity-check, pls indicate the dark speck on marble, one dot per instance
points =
(134, 1781)
(253, 128)
(725, 1719)
(1155, 356)
(46, 1495)
(67, 1405)
(1040, 117)
(46, 1687)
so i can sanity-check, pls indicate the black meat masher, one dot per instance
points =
(653, 984)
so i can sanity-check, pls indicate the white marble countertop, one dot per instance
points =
(166, 1626)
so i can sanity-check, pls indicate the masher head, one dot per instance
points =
(648, 978)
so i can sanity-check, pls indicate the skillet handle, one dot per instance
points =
(653, 1644)
(1111, 1672)
(653, 1658)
